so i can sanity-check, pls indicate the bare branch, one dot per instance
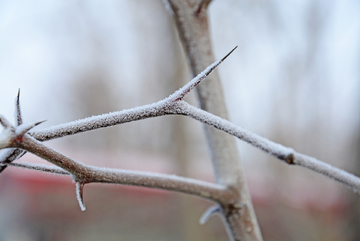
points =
(159, 108)
(281, 152)
(226, 196)
(166, 107)
(169, 107)
(88, 174)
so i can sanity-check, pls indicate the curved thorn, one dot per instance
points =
(208, 213)
(79, 195)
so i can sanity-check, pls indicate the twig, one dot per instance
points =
(279, 151)
(38, 167)
(82, 173)
(159, 108)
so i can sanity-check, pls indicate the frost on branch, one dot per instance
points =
(38, 167)
(11, 154)
(11, 134)
(23, 128)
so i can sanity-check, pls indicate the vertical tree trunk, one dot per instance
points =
(192, 24)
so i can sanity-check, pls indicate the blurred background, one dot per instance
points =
(294, 79)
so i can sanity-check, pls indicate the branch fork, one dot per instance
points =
(11, 136)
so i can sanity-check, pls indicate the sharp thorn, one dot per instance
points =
(229, 53)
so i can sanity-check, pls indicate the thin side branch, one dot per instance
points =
(86, 174)
(279, 151)
(160, 108)
(38, 167)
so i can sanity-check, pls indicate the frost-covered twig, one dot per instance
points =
(166, 106)
(88, 174)
(279, 151)
(160, 108)
(38, 167)
(82, 173)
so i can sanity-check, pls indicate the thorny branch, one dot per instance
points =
(16, 138)
(83, 174)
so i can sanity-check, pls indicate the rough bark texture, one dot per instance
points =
(192, 23)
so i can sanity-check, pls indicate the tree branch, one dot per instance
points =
(83, 174)
(279, 151)
(169, 106)
(38, 167)
(192, 24)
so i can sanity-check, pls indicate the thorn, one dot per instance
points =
(185, 90)
(208, 213)
(22, 129)
(5, 123)
(229, 53)
(18, 117)
(79, 194)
